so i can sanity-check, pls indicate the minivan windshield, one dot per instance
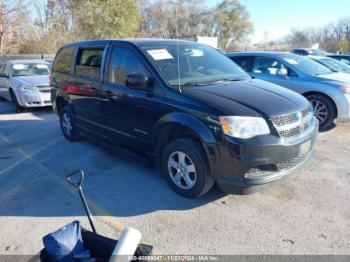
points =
(306, 65)
(30, 69)
(188, 64)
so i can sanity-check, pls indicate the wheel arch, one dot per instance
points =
(325, 95)
(60, 102)
(180, 125)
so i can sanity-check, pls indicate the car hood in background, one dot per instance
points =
(40, 80)
(249, 98)
(341, 78)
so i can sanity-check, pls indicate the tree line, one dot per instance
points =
(332, 37)
(42, 26)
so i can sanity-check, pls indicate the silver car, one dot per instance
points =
(331, 63)
(327, 91)
(25, 83)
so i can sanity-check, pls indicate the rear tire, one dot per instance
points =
(324, 110)
(184, 165)
(68, 124)
(14, 100)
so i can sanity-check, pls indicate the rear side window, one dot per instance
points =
(89, 62)
(245, 62)
(63, 61)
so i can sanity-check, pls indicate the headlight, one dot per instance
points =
(27, 89)
(345, 89)
(244, 127)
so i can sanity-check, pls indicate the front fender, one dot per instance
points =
(199, 129)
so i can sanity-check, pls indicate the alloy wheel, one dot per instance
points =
(66, 124)
(320, 110)
(182, 170)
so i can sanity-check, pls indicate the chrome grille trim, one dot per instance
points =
(44, 88)
(292, 126)
(274, 169)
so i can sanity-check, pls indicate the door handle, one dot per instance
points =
(93, 90)
(111, 95)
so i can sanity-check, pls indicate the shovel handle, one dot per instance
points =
(78, 183)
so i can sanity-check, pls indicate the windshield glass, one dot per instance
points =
(335, 65)
(307, 65)
(192, 64)
(31, 69)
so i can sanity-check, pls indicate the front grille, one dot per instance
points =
(271, 169)
(290, 126)
(44, 88)
(284, 119)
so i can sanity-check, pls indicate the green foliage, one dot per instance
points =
(344, 46)
(231, 22)
(108, 18)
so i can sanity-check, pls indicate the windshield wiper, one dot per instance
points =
(220, 81)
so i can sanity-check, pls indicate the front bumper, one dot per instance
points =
(249, 166)
(343, 107)
(35, 99)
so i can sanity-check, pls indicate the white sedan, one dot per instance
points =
(25, 83)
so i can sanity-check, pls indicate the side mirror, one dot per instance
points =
(139, 81)
(282, 72)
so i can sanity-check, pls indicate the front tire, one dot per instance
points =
(14, 100)
(185, 168)
(324, 110)
(68, 124)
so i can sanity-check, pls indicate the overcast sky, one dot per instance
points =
(277, 17)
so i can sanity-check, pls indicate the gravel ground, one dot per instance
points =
(307, 213)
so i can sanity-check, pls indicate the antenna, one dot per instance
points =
(177, 47)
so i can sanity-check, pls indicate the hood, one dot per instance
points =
(340, 78)
(33, 80)
(249, 98)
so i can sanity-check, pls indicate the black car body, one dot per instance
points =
(141, 95)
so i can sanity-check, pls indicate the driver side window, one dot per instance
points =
(123, 63)
(267, 65)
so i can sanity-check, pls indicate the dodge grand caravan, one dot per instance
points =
(198, 115)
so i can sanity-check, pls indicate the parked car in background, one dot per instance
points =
(328, 92)
(308, 51)
(342, 58)
(331, 63)
(25, 83)
(186, 106)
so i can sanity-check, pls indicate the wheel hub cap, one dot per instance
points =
(182, 170)
(320, 110)
(66, 124)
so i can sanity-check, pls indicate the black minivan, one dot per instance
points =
(198, 115)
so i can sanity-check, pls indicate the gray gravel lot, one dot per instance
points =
(308, 213)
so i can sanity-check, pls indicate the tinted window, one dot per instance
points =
(123, 63)
(63, 61)
(246, 62)
(267, 65)
(192, 64)
(89, 62)
(300, 52)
